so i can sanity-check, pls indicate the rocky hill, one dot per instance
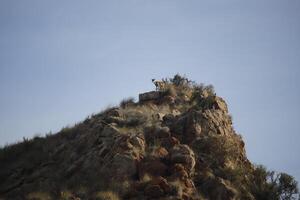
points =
(175, 143)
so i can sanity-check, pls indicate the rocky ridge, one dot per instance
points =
(172, 144)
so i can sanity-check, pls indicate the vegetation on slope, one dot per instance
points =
(176, 143)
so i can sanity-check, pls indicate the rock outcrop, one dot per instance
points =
(147, 96)
(169, 145)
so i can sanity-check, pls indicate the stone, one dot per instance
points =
(138, 142)
(153, 95)
(193, 129)
(220, 104)
(162, 182)
(184, 155)
(160, 153)
(113, 119)
(144, 151)
(216, 122)
(179, 172)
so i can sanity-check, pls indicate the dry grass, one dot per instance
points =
(38, 196)
(107, 195)
(66, 195)
(177, 185)
(127, 102)
(146, 178)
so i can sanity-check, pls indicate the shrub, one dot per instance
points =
(270, 185)
(234, 175)
(210, 89)
(10, 151)
(287, 186)
(38, 196)
(107, 195)
(217, 149)
(127, 102)
(201, 91)
(134, 118)
(179, 80)
(170, 90)
(176, 188)
(65, 195)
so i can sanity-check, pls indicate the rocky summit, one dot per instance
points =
(174, 143)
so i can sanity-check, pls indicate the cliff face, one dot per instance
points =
(173, 144)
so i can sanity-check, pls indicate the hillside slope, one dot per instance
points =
(177, 143)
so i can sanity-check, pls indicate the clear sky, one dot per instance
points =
(63, 60)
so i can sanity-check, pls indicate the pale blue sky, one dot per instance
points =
(63, 60)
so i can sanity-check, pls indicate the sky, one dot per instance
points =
(61, 61)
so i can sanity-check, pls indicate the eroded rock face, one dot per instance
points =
(186, 126)
(177, 154)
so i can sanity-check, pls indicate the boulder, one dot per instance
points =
(216, 122)
(220, 104)
(187, 127)
(160, 153)
(179, 172)
(153, 95)
(113, 119)
(162, 182)
(138, 142)
(184, 155)
(193, 127)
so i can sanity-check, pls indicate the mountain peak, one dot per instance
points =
(176, 142)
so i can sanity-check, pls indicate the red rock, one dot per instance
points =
(179, 172)
(162, 182)
(160, 152)
(189, 183)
